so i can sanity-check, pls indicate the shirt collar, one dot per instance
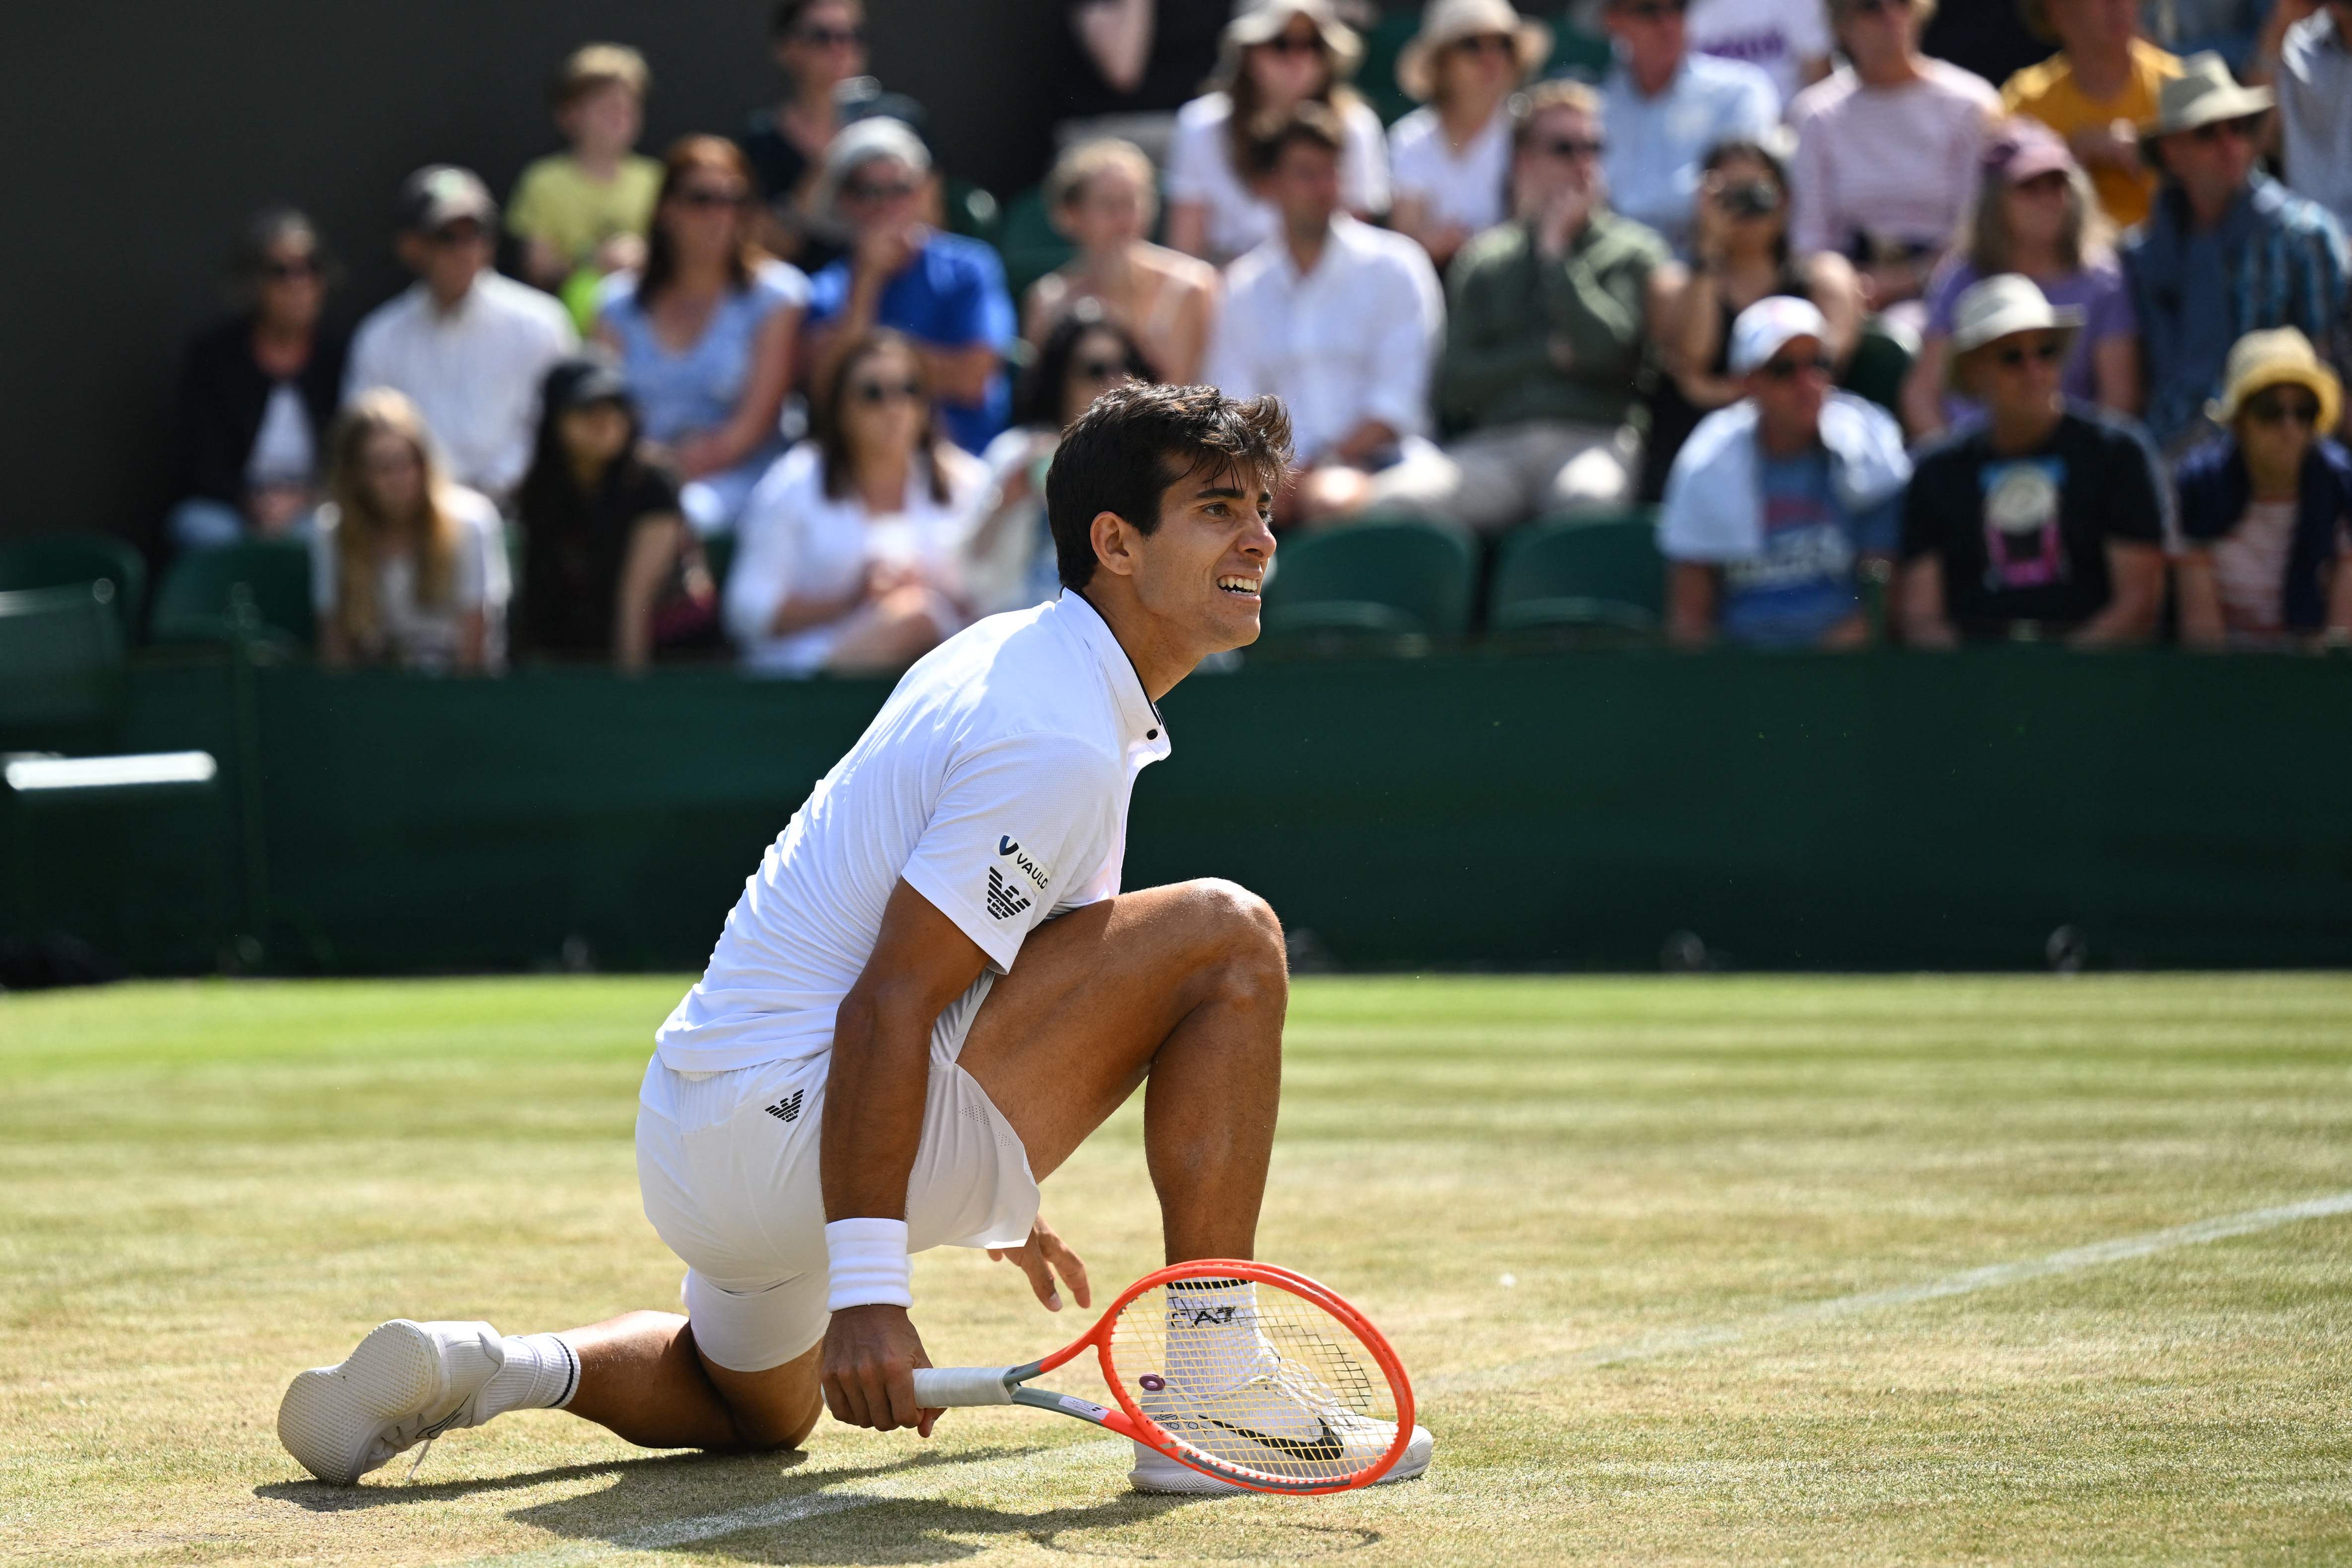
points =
(1140, 719)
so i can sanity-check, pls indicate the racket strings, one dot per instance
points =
(1256, 1381)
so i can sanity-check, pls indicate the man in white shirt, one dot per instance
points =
(1339, 319)
(468, 347)
(929, 993)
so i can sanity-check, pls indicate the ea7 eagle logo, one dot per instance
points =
(1004, 899)
(1010, 848)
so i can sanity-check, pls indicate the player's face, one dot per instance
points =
(1202, 568)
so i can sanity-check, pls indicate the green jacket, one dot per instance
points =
(1508, 306)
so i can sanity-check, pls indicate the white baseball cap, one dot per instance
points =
(1771, 324)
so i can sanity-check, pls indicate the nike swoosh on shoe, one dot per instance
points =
(1330, 1445)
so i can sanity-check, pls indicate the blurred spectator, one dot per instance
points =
(1275, 55)
(2266, 508)
(2245, 33)
(1450, 163)
(945, 292)
(852, 544)
(467, 347)
(1544, 340)
(407, 568)
(1664, 107)
(2036, 214)
(1338, 318)
(1009, 563)
(2095, 93)
(606, 556)
(2050, 519)
(1788, 40)
(1887, 150)
(257, 392)
(1739, 254)
(1781, 501)
(1984, 37)
(2314, 101)
(582, 214)
(820, 47)
(1126, 66)
(1102, 194)
(2227, 251)
(705, 333)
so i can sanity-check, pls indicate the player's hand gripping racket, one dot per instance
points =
(1246, 1372)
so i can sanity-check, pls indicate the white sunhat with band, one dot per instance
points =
(1263, 21)
(2202, 94)
(1448, 22)
(2003, 304)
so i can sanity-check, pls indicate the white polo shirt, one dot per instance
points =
(995, 781)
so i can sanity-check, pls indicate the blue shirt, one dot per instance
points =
(1802, 582)
(687, 392)
(950, 297)
(1655, 144)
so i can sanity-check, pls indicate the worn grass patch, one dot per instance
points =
(206, 1187)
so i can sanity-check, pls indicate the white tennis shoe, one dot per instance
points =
(405, 1383)
(1277, 1423)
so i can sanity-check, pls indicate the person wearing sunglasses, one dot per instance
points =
(1664, 107)
(705, 333)
(2227, 251)
(2095, 93)
(851, 547)
(1450, 159)
(469, 346)
(2313, 80)
(1780, 504)
(946, 293)
(1888, 152)
(2035, 213)
(1275, 55)
(819, 49)
(2048, 522)
(257, 392)
(2266, 507)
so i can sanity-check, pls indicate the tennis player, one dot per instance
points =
(928, 995)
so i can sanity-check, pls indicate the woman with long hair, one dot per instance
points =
(1276, 54)
(1739, 254)
(408, 568)
(609, 568)
(1101, 194)
(704, 333)
(1451, 159)
(2037, 215)
(850, 549)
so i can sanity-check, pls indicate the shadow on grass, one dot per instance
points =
(317, 1497)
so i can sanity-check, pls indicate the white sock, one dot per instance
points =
(541, 1373)
(1213, 1343)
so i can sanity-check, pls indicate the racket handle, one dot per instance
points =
(952, 1387)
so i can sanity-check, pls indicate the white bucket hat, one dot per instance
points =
(2004, 303)
(1451, 21)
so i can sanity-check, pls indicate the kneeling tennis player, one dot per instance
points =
(928, 995)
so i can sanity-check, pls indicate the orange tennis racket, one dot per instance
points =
(1242, 1371)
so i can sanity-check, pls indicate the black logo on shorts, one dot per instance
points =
(788, 1109)
(1004, 901)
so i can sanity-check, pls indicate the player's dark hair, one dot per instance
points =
(1123, 454)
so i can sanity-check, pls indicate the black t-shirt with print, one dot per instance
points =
(2023, 535)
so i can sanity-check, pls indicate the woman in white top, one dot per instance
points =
(1100, 193)
(407, 568)
(1276, 54)
(1450, 163)
(850, 551)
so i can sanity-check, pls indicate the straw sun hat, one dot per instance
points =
(2004, 303)
(1451, 21)
(2279, 357)
(1263, 21)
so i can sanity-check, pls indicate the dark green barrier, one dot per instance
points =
(1803, 810)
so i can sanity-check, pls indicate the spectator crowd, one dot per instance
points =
(758, 395)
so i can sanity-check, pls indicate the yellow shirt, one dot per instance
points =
(2047, 92)
(556, 202)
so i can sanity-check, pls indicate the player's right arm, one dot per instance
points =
(873, 1125)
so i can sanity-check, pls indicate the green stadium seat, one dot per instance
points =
(63, 560)
(1594, 580)
(61, 653)
(261, 588)
(1030, 244)
(1577, 53)
(1376, 77)
(1881, 358)
(1394, 577)
(971, 211)
(718, 555)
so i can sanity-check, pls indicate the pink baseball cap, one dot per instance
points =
(2021, 150)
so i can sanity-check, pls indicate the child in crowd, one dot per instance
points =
(582, 214)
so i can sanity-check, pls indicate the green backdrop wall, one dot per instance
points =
(1475, 810)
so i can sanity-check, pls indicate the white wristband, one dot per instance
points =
(868, 1260)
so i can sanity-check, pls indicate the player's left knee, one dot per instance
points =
(1248, 939)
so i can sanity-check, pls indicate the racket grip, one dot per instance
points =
(952, 1387)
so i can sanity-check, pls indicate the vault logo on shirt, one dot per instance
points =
(1004, 901)
(1010, 848)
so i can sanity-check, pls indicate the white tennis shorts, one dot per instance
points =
(727, 1163)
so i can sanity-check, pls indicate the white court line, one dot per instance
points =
(924, 1482)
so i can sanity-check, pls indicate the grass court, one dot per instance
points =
(1712, 1270)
